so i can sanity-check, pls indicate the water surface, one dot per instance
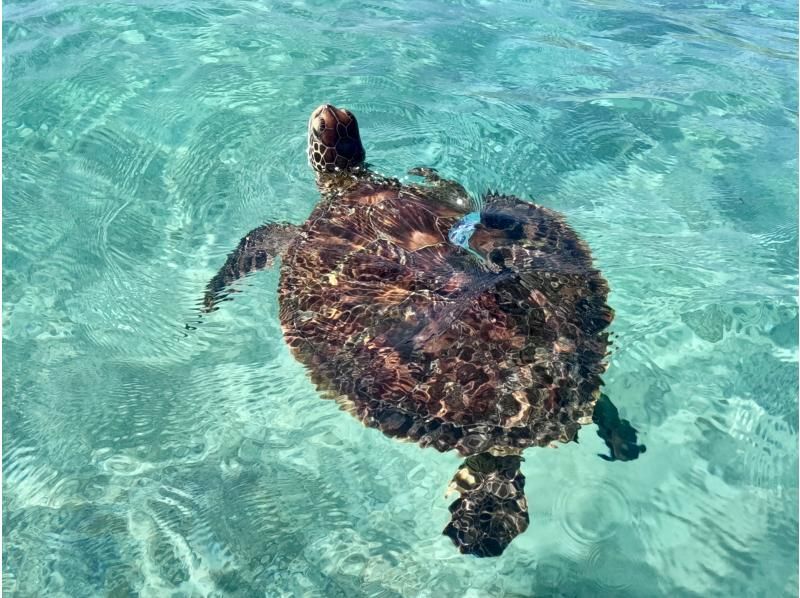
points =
(142, 140)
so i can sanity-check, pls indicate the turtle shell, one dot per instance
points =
(414, 336)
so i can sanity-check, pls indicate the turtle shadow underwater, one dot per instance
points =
(475, 326)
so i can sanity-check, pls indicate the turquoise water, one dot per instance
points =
(142, 140)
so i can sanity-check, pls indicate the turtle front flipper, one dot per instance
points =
(447, 191)
(618, 434)
(492, 509)
(256, 251)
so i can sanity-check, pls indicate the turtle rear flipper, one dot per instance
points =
(618, 434)
(256, 251)
(492, 509)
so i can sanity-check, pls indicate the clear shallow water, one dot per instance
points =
(140, 141)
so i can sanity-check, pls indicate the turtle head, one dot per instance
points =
(333, 140)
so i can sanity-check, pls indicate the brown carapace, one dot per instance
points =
(486, 349)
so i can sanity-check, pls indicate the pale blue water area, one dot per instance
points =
(142, 140)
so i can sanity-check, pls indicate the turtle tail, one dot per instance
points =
(492, 509)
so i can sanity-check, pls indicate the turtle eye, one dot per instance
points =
(319, 125)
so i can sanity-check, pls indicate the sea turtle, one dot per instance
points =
(474, 326)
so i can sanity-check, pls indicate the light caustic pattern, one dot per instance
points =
(142, 140)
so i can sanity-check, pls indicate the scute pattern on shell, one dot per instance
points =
(425, 345)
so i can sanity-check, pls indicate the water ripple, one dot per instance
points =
(592, 512)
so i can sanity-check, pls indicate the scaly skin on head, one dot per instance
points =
(335, 151)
